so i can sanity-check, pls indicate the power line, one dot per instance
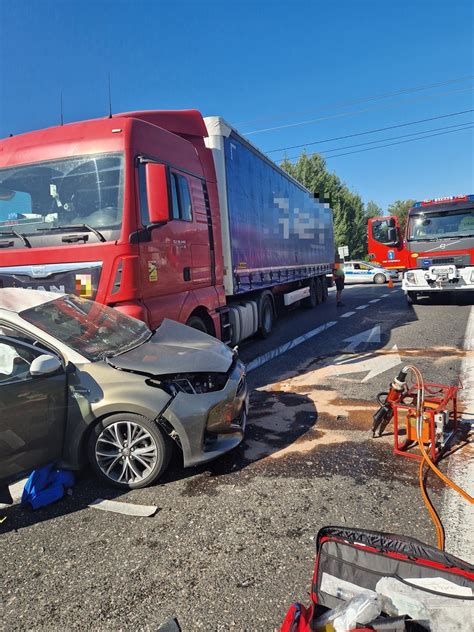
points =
(376, 97)
(345, 114)
(400, 142)
(380, 140)
(371, 131)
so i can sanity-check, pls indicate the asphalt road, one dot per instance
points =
(232, 544)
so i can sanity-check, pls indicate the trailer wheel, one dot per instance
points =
(197, 323)
(266, 317)
(312, 300)
(319, 290)
(325, 288)
(412, 298)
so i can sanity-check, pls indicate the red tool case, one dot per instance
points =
(363, 557)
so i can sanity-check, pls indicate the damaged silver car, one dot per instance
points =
(82, 381)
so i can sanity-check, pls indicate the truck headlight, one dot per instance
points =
(411, 277)
(472, 276)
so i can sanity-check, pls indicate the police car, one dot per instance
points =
(364, 272)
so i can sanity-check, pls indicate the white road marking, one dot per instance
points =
(374, 364)
(375, 300)
(370, 335)
(270, 355)
(362, 307)
(457, 513)
(384, 295)
(128, 509)
(347, 314)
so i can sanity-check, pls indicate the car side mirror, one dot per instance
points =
(45, 365)
(157, 193)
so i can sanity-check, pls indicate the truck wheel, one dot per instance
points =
(324, 283)
(197, 323)
(319, 290)
(312, 300)
(266, 317)
(128, 451)
(379, 279)
(412, 298)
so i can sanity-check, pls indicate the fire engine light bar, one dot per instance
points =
(443, 200)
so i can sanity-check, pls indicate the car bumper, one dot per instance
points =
(210, 424)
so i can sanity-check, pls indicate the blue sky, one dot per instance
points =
(259, 64)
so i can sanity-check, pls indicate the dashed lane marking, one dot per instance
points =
(347, 314)
(291, 344)
(362, 307)
(375, 300)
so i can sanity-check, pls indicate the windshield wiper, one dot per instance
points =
(13, 233)
(83, 227)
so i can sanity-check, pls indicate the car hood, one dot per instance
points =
(176, 348)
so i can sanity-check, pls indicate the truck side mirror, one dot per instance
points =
(157, 193)
(391, 222)
(392, 236)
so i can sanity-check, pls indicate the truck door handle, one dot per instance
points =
(187, 274)
(6, 244)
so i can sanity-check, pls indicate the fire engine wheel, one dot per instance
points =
(379, 279)
(412, 297)
(197, 323)
(312, 300)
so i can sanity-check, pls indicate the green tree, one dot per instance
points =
(350, 221)
(372, 209)
(400, 208)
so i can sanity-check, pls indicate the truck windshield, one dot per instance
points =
(69, 192)
(441, 225)
(89, 328)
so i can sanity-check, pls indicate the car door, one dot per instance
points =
(349, 273)
(32, 409)
(363, 272)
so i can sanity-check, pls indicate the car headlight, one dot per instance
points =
(411, 277)
(191, 383)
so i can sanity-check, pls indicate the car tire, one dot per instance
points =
(412, 298)
(156, 450)
(197, 323)
(311, 301)
(379, 279)
(267, 316)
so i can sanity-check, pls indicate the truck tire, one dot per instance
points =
(267, 317)
(380, 278)
(197, 323)
(412, 298)
(325, 288)
(102, 449)
(312, 300)
(319, 290)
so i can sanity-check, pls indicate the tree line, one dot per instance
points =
(350, 212)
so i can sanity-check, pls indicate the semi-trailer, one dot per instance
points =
(162, 214)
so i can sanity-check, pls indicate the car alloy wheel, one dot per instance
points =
(128, 450)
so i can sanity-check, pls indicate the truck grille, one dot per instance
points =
(457, 260)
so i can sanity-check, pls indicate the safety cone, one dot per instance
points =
(390, 282)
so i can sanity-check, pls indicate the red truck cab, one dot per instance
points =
(386, 244)
(101, 207)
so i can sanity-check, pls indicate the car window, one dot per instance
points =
(361, 266)
(15, 360)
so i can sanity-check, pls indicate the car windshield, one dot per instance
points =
(93, 330)
(69, 192)
(426, 226)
